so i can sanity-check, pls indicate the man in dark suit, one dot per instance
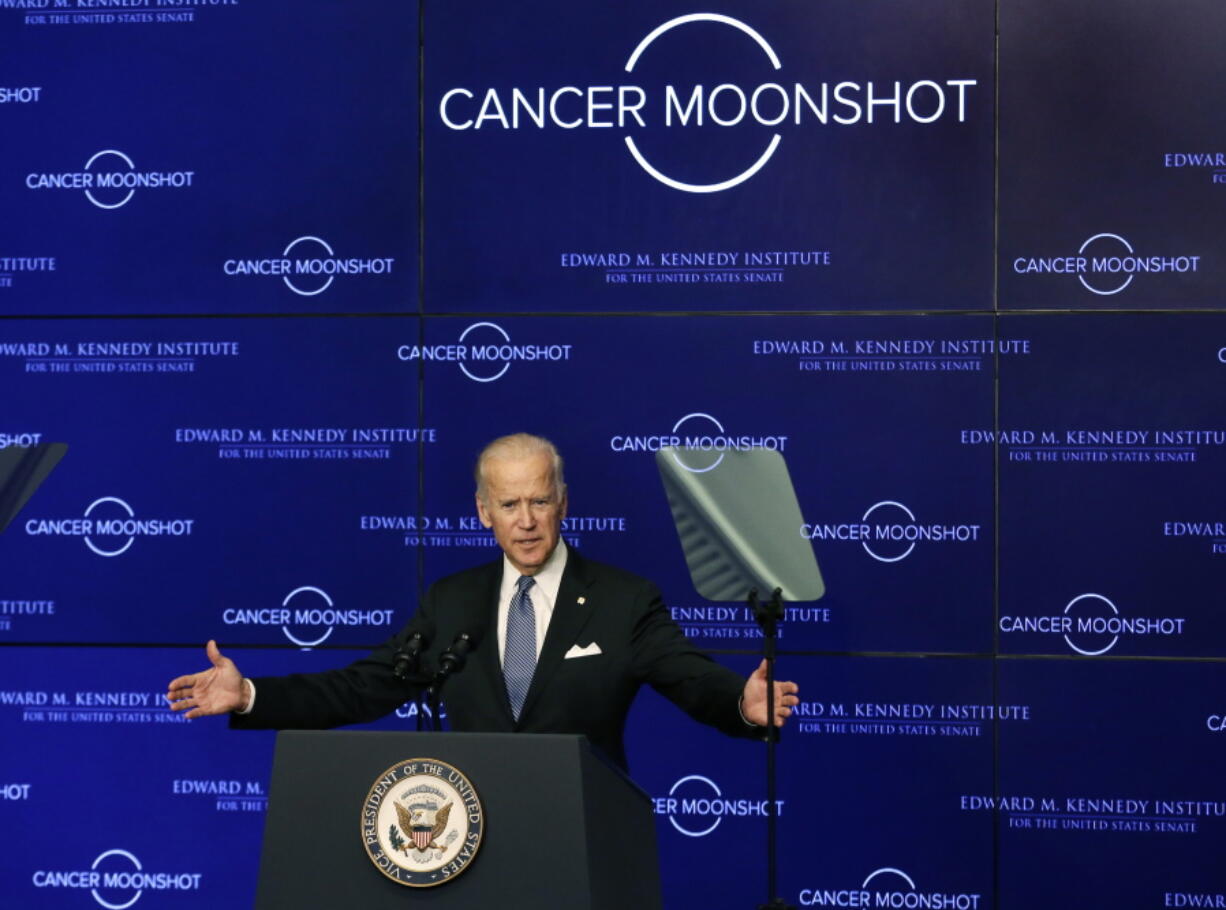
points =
(563, 642)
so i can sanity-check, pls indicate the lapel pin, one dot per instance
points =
(582, 600)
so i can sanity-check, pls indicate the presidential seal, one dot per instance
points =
(422, 822)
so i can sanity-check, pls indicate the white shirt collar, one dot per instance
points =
(548, 579)
(544, 594)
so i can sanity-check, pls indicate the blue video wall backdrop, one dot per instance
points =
(276, 270)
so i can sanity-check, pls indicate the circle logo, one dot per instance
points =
(100, 524)
(307, 589)
(1095, 239)
(307, 292)
(890, 870)
(695, 804)
(89, 193)
(117, 883)
(700, 468)
(422, 822)
(490, 351)
(910, 520)
(1088, 602)
(771, 145)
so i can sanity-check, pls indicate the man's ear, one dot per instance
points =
(482, 513)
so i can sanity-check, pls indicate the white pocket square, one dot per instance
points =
(586, 651)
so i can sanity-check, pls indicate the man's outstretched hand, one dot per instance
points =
(753, 699)
(217, 690)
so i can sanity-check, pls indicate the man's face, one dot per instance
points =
(523, 509)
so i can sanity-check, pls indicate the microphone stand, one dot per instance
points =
(450, 661)
(404, 665)
(429, 704)
(768, 616)
(420, 700)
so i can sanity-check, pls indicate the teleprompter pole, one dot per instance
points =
(768, 616)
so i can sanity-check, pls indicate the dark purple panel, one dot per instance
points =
(1113, 532)
(98, 776)
(216, 480)
(1112, 791)
(872, 764)
(1112, 162)
(764, 156)
(177, 158)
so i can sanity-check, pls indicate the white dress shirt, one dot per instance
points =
(544, 594)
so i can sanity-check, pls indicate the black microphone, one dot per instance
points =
(450, 661)
(453, 659)
(408, 656)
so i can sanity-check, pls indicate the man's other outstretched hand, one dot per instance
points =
(217, 690)
(753, 699)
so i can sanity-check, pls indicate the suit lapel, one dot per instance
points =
(487, 654)
(571, 612)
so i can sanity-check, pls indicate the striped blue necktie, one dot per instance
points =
(519, 653)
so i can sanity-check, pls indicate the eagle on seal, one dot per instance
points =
(423, 824)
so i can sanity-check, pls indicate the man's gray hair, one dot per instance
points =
(519, 445)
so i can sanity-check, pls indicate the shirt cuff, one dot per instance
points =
(249, 686)
(740, 709)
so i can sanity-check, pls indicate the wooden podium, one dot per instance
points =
(562, 827)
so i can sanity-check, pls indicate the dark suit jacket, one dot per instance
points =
(597, 604)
